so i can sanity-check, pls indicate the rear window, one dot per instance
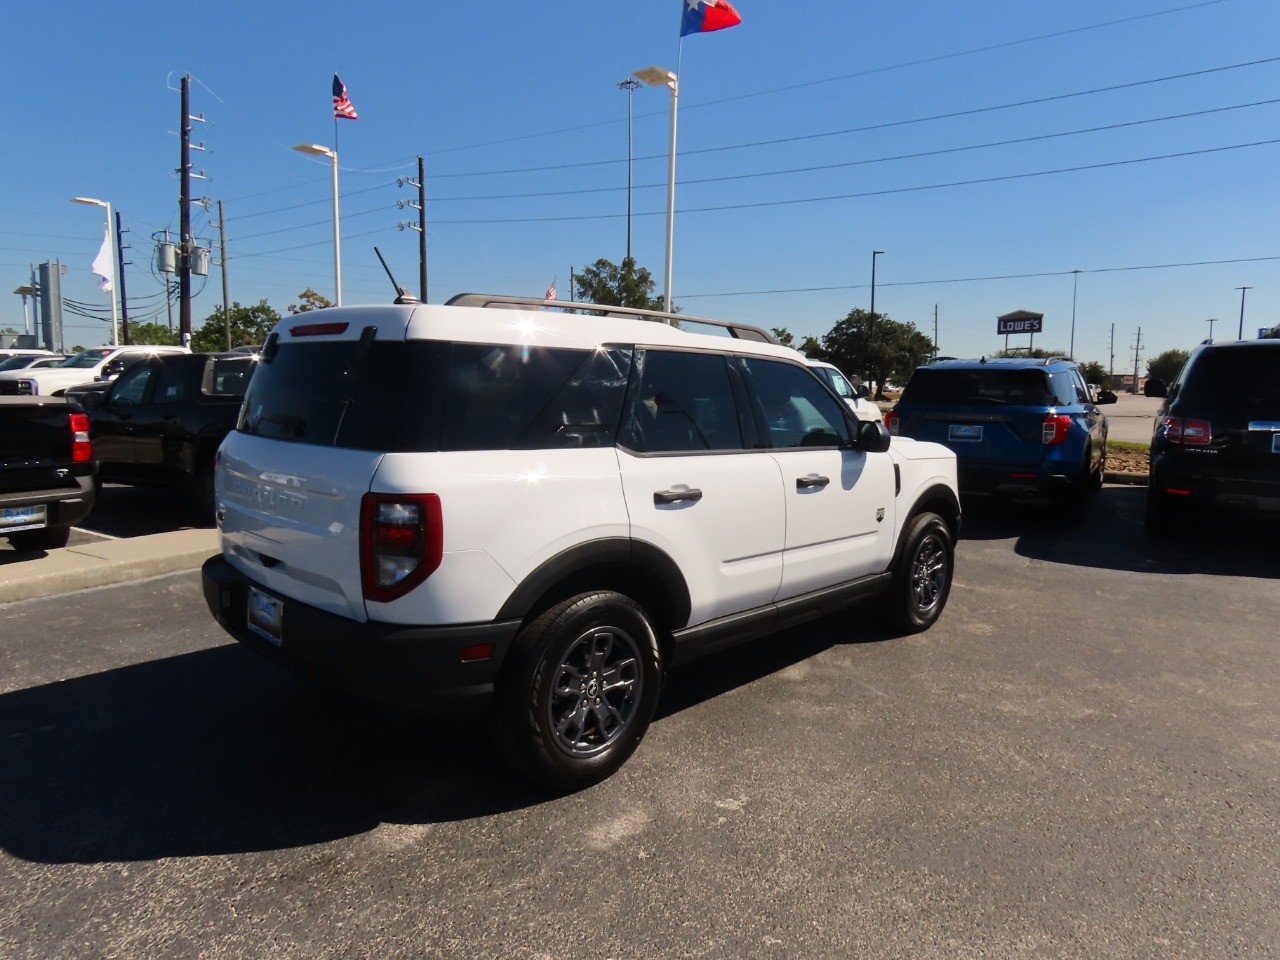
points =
(1234, 375)
(1028, 388)
(436, 396)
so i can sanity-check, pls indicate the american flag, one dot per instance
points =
(341, 105)
(551, 291)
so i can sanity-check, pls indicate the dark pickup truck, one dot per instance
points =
(46, 470)
(161, 421)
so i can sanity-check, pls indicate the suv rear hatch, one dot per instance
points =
(1228, 409)
(991, 417)
(326, 402)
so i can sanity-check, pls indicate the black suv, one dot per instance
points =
(1216, 445)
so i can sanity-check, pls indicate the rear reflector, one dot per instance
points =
(401, 542)
(318, 329)
(480, 651)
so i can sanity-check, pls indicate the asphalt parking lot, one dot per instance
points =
(1081, 759)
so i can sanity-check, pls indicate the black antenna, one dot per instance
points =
(402, 295)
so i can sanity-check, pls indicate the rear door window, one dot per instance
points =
(685, 403)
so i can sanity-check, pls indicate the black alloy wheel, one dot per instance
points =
(922, 576)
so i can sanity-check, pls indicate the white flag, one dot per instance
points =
(103, 263)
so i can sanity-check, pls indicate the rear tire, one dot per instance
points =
(578, 691)
(46, 538)
(922, 575)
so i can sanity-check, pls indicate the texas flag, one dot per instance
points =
(703, 16)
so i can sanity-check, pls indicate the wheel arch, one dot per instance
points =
(940, 499)
(633, 568)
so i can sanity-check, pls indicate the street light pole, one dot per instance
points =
(661, 77)
(1075, 280)
(1240, 333)
(874, 254)
(629, 85)
(115, 279)
(316, 150)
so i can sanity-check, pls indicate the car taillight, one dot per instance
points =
(81, 448)
(891, 422)
(1190, 433)
(1054, 429)
(401, 542)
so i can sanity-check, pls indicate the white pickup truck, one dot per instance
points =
(97, 363)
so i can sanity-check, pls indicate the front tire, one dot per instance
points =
(922, 575)
(579, 690)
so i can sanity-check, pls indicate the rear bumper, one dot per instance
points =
(67, 505)
(418, 670)
(1199, 491)
(1010, 481)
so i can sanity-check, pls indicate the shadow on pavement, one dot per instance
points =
(217, 752)
(1108, 535)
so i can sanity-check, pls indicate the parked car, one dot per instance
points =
(99, 363)
(1021, 427)
(162, 420)
(31, 361)
(1215, 448)
(852, 390)
(525, 515)
(46, 471)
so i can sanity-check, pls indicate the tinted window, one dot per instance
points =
(796, 409)
(230, 377)
(171, 382)
(428, 396)
(684, 404)
(1064, 389)
(334, 394)
(132, 384)
(1233, 375)
(1019, 387)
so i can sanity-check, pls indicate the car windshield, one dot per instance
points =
(16, 363)
(1234, 374)
(988, 386)
(86, 358)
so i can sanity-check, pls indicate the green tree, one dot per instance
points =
(156, 334)
(1166, 366)
(809, 346)
(624, 285)
(310, 300)
(1035, 352)
(1094, 372)
(876, 348)
(249, 326)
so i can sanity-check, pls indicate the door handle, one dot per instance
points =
(803, 483)
(675, 496)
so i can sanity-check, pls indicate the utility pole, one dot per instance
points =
(630, 84)
(935, 329)
(1137, 354)
(184, 217)
(222, 263)
(420, 226)
(1075, 280)
(1111, 364)
(1240, 334)
(120, 261)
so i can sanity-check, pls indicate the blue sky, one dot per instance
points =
(809, 135)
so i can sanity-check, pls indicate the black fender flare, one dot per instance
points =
(581, 559)
(928, 497)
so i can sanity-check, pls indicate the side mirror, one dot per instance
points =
(1154, 388)
(861, 391)
(1105, 396)
(872, 437)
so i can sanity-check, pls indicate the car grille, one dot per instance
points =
(17, 388)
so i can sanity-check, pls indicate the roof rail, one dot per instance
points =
(741, 331)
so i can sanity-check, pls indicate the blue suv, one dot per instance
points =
(1020, 427)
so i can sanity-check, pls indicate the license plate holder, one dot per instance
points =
(265, 616)
(32, 517)
(965, 432)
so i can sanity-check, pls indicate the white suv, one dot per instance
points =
(531, 514)
(98, 363)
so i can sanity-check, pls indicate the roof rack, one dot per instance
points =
(741, 331)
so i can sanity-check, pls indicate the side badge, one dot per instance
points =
(879, 514)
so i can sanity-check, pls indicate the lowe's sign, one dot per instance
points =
(1021, 321)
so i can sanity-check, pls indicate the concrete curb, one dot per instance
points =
(100, 564)
(1130, 479)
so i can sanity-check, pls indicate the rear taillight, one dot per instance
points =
(401, 542)
(1189, 433)
(81, 448)
(891, 422)
(1054, 429)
